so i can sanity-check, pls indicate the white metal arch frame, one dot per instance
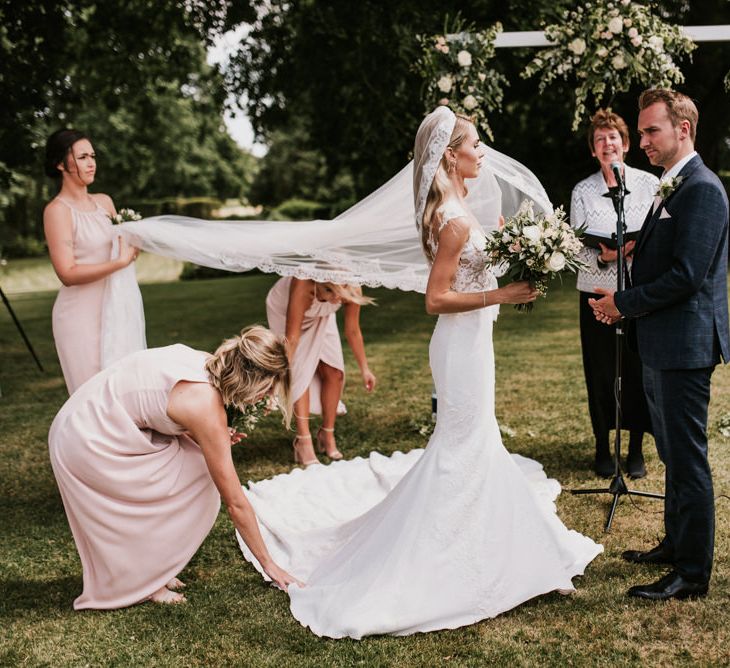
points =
(527, 38)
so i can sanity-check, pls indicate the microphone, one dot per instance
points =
(616, 169)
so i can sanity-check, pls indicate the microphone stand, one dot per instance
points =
(617, 487)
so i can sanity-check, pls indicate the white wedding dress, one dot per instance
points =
(435, 538)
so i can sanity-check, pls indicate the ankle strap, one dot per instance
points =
(330, 429)
(303, 436)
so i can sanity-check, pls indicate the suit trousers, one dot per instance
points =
(678, 402)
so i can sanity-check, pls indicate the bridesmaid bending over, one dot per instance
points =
(79, 235)
(142, 457)
(304, 310)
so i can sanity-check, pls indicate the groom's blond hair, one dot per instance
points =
(679, 107)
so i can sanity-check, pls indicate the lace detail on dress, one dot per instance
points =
(473, 273)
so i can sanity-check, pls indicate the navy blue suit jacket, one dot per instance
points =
(679, 276)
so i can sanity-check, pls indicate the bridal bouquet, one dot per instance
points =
(125, 216)
(535, 247)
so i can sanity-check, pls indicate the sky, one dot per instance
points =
(239, 127)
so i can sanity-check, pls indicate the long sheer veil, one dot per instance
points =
(374, 243)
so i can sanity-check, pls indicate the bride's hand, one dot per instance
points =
(280, 578)
(519, 292)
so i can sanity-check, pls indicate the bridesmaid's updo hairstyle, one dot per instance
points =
(249, 366)
(349, 293)
(58, 148)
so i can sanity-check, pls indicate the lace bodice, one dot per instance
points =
(473, 273)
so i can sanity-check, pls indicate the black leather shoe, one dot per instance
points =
(635, 466)
(672, 585)
(660, 554)
(604, 466)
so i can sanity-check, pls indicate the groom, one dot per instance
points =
(678, 303)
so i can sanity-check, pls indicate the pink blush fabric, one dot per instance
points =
(136, 490)
(320, 340)
(76, 317)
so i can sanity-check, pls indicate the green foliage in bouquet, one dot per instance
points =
(535, 247)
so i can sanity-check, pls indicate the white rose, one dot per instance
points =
(628, 23)
(618, 62)
(531, 233)
(602, 52)
(633, 32)
(470, 102)
(445, 83)
(577, 46)
(616, 25)
(556, 262)
(464, 58)
(482, 77)
(656, 42)
(636, 41)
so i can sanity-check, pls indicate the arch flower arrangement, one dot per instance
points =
(455, 70)
(607, 46)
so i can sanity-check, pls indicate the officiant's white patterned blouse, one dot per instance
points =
(588, 207)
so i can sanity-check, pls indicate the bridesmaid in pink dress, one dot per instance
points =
(142, 455)
(304, 310)
(79, 236)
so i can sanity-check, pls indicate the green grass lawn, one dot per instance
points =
(233, 618)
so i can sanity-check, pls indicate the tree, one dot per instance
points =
(346, 68)
(133, 75)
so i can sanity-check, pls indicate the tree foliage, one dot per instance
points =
(133, 75)
(346, 69)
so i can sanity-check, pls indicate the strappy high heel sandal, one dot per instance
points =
(335, 455)
(298, 459)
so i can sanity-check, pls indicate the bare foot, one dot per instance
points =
(175, 584)
(164, 595)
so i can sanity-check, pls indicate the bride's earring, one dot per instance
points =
(452, 167)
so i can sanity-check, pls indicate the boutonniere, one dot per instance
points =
(666, 188)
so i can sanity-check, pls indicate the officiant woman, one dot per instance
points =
(608, 141)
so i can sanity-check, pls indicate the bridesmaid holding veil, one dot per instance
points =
(79, 234)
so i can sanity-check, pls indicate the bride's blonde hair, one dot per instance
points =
(249, 366)
(441, 183)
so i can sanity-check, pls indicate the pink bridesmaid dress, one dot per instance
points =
(77, 311)
(136, 490)
(319, 340)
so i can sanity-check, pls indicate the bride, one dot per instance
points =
(458, 532)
